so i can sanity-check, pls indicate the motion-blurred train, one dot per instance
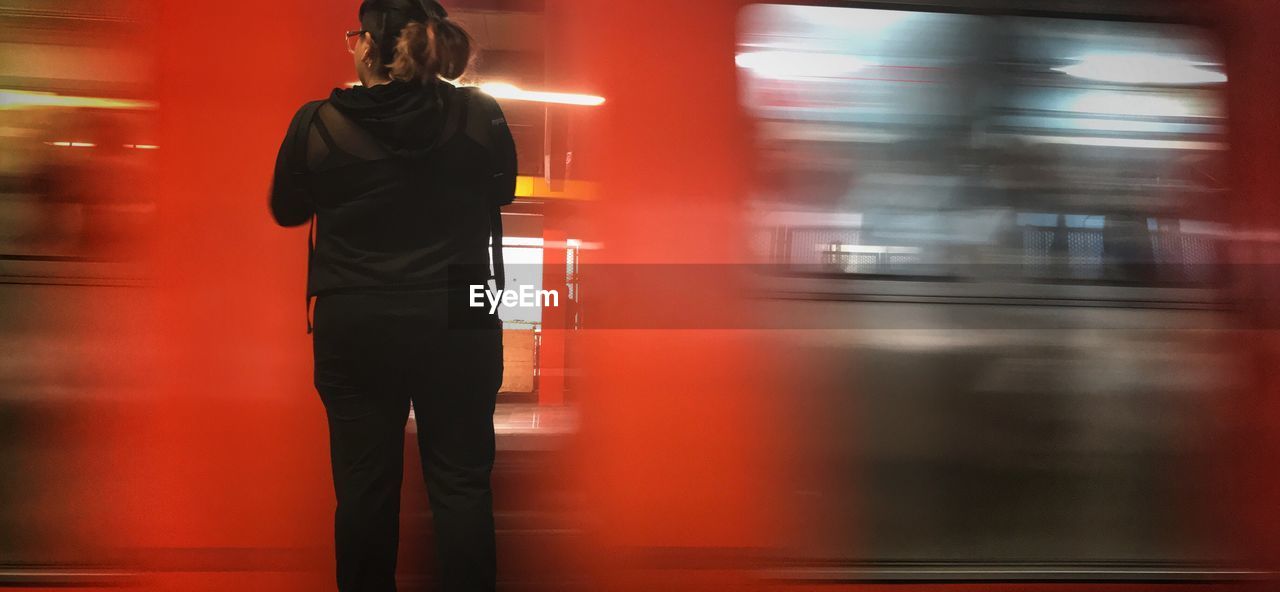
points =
(1013, 221)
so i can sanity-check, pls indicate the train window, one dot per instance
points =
(957, 146)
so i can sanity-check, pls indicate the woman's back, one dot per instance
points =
(404, 181)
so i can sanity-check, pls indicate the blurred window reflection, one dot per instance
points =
(77, 140)
(968, 147)
(1034, 403)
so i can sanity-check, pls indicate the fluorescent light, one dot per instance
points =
(1127, 142)
(862, 21)
(867, 249)
(798, 64)
(503, 90)
(142, 146)
(1141, 68)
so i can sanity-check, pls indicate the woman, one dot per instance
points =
(402, 178)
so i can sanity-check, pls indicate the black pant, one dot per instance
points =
(374, 354)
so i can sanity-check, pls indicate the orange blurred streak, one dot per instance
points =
(681, 443)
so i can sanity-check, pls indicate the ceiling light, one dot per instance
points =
(1141, 68)
(797, 64)
(503, 90)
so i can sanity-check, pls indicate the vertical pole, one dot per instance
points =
(551, 355)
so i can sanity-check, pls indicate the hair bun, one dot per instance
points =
(433, 9)
(432, 48)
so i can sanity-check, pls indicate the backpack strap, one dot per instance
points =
(299, 135)
(495, 232)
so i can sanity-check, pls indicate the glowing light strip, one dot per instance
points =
(502, 90)
(872, 249)
(68, 144)
(21, 99)
(1127, 142)
(796, 65)
(1140, 68)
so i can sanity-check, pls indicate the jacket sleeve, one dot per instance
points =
(503, 148)
(290, 203)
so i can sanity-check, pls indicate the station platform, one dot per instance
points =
(528, 426)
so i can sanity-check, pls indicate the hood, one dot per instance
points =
(404, 116)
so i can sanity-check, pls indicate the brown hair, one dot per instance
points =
(436, 48)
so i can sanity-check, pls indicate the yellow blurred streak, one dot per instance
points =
(21, 99)
(539, 188)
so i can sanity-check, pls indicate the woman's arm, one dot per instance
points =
(290, 203)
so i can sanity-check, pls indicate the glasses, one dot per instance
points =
(353, 37)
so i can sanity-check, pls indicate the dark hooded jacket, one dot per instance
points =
(403, 182)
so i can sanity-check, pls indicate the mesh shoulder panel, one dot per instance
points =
(334, 141)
